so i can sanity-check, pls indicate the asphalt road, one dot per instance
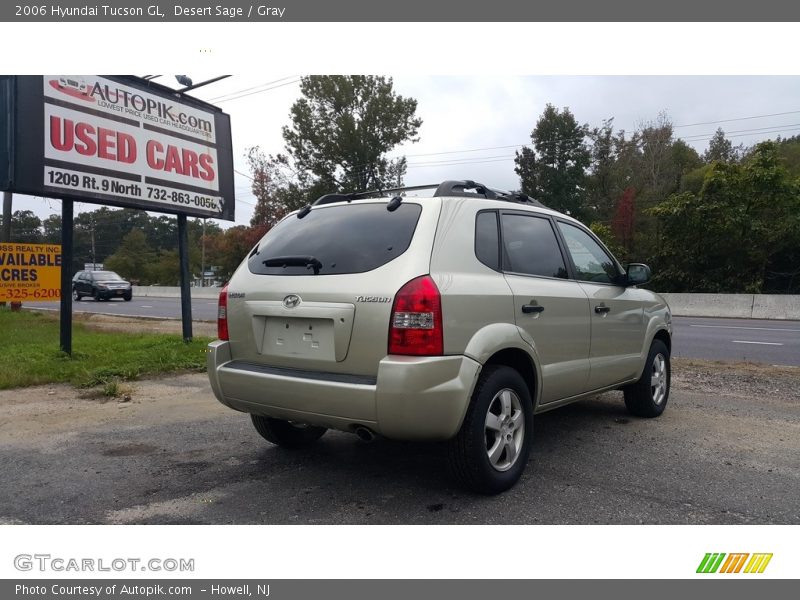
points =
(752, 340)
(725, 451)
(770, 342)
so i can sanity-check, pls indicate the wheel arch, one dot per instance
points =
(664, 336)
(502, 344)
(522, 363)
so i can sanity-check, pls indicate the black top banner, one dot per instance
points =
(187, 11)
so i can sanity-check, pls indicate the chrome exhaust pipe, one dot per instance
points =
(364, 434)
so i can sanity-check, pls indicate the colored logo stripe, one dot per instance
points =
(710, 562)
(758, 563)
(733, 564)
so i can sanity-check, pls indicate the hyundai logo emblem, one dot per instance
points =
(291, 301)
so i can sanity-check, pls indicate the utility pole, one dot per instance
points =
(91, 223)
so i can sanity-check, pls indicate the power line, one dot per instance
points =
(780, 114)
(251, 88)
(274, 87)
(461, 151)
(528, 144)
(770, 129)
(458, 160)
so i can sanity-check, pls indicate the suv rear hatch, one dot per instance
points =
(316, 293)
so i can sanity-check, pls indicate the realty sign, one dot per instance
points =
(117, 140)
(30, 272)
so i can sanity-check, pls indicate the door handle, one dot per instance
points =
(532, 308)
(602, 309)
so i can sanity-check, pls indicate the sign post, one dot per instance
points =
(186, 299)
(66, 277)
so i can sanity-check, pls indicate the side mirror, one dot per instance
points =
(637, 274)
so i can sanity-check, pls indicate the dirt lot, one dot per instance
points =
(725, 451)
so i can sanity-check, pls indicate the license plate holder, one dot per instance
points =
(299, 337)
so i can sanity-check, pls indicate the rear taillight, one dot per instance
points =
(222, 315)
(416, 321)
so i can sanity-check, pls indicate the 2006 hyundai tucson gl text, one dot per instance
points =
(456, 317)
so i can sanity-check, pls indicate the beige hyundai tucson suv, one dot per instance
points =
(455, 317)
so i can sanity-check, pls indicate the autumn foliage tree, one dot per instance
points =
(624, 219)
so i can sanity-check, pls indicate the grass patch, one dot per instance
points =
(30, 355)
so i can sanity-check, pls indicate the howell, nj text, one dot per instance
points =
(244, 589)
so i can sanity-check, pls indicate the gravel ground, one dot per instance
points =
(725, 451)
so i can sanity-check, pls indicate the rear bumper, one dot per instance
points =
(411, 398)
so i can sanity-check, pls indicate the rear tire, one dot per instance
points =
(648, 396)
(286, 434)
(490, 452)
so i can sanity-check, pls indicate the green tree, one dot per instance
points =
(725, 237)
(26, 227)
(52, 229)
(342, 128)
(607, 237)
(721, 149)
(340, 132)
(602, 187)
(133, 258)
(554, 171)
(165, 269)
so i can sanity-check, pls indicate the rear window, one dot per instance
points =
(105, 276)
(350, 238)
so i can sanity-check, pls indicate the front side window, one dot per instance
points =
(592, 263)
(530, 247)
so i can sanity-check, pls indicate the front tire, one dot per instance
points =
(76, 295)
(648, 396)
(286, 434)
(491, 450)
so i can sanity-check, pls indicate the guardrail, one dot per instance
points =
(741, 306)
(160, 291)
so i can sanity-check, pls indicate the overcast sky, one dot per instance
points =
(463, 115)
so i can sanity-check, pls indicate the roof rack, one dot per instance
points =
(461, 188)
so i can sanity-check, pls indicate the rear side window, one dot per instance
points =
(487, 242)
(530, 247)
(349, 238)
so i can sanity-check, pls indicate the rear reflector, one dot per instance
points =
(222, 315)
(415, 328)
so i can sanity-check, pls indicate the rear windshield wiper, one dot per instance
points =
(294, 261)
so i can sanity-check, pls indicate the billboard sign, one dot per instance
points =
(30, 272)
(118, 140)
